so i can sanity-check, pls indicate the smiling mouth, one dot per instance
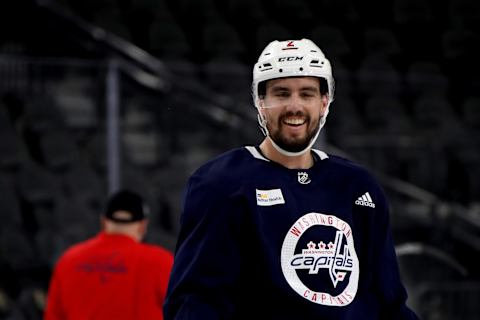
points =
(295, 122)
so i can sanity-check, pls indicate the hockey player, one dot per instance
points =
(281, 230)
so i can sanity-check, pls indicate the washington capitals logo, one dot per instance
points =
(303, 178)
(338, 258)
(326, 256)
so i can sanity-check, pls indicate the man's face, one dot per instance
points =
(293, 108)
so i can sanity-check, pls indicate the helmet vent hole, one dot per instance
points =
(301, 69)
(314, 61)
(280, 70)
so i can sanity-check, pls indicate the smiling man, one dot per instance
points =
(291, 110)
(282, 230)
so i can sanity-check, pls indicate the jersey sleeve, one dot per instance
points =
(207, 259)
(54, 308)
(166, 262)
(388, 284)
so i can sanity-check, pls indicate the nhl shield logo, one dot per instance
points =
(303, 178)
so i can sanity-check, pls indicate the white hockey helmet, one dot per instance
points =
(291, 58)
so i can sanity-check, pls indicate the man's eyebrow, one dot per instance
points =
(309, 88)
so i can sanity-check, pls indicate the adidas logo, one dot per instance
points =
(365, 200)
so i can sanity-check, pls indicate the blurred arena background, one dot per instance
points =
(97, 94)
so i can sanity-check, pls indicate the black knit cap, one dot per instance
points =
(126, 206)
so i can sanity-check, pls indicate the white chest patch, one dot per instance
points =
(269, 197)
(336, 257)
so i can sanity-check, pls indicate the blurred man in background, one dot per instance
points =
(113, 275)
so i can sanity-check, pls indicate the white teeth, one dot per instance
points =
(295, 121)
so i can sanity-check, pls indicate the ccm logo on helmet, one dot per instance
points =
(283, 59)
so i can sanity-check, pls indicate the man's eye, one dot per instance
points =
(307, 95)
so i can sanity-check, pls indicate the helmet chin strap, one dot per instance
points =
(263, 125)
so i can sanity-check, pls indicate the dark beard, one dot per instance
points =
(293, 145)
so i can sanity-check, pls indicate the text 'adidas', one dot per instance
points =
(365, 200)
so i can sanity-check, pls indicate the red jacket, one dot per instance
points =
(109, 277)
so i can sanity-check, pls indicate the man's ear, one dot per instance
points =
(261, 104)
(324, 103)
(143, 228)
(262, 110)
(103, 223)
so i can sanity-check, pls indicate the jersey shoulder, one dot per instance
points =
(76, 251)
(346, 163)
(347, 168)
(156, 252)
(225, 168)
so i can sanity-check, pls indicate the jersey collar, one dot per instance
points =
(258, 155)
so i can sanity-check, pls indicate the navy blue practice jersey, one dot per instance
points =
(261, 241)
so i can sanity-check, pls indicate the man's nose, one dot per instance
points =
(294, 103)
